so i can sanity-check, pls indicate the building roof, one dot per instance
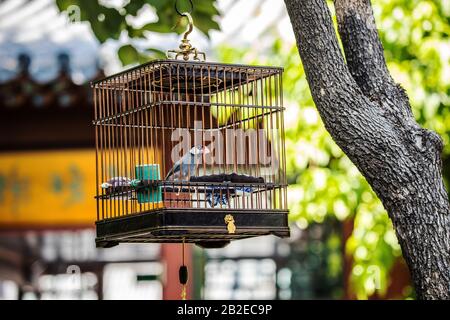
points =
(38, 29)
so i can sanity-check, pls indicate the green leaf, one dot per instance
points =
(157, 27)
(64, 4)
(108, 23)
(207, 7)
(204, 23)
(134, 6)
(156, 53)
(160, 5)
(128, 55)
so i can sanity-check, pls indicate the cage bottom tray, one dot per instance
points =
(204, 227)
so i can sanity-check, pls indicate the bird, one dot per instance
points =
(187, 165)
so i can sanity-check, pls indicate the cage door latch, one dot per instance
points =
(229, 221)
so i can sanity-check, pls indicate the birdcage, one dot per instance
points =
(190, 151)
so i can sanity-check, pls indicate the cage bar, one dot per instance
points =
(181, 145)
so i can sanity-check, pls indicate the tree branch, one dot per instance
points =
(365, 58)
(399, 159)
(323, 62)
(362, 46)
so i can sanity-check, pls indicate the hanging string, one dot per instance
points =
(182, 252)
(183, 14)
(178, 10)
(183, 273)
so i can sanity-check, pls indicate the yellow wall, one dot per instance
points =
(47, 188)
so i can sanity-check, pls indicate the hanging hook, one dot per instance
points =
(186, 50)
(179, 12)
(190, 26)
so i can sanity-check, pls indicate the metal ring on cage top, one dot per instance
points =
(179, 12)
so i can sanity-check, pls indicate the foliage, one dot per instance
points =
(323, 181)
(108, 22)
(415, 36)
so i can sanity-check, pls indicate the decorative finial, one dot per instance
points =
(186, 50)
(229, 221)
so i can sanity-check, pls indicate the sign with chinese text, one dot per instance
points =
(46, 189)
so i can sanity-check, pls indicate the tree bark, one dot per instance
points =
(370, 118)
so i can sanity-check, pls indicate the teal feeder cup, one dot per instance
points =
(148, 172)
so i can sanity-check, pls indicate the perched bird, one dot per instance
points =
(187, 165)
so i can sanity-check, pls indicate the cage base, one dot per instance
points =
(203, 227)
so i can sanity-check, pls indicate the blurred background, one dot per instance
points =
(342, 244)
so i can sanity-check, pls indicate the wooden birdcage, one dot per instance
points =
(190, 151)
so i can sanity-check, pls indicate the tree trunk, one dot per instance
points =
(370, 118)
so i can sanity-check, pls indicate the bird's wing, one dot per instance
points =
(174, 169)
(183, 165)
(188, 165)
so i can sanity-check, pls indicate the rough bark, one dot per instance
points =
(370, 118)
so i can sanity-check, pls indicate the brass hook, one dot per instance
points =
(186, 50)
(190, 25)
(190, 4)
